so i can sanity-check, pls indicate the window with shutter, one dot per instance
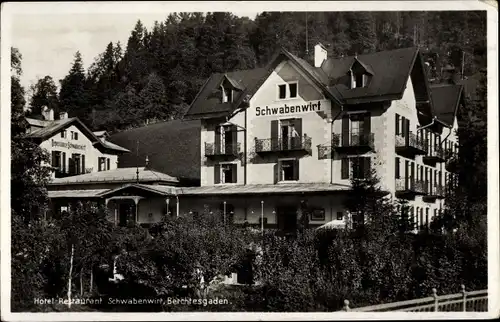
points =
(345, 168)
(217, 173)
(397, 124)
(63, 162)
(289, 170)
(397, 168)
(234, 171)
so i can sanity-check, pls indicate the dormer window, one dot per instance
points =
(288, 91)
(360, 74)
(227, 94)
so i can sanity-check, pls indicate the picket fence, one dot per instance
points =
(474, 301)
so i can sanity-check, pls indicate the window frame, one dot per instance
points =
(281, 174)
(287, 91)
(222, 164)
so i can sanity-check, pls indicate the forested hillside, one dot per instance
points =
(156, 75)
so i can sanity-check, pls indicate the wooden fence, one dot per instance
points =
(474, 301)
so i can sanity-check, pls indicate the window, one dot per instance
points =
(286, 91)
(282, 91)
(76, 135)
(340, 215)
(398, 174)
(293, 90)
(227, 94)
(289, 134)
(63, 134)
(227, 173)
(56, 159)
(359, 80)
(108, 163)
(101, 164)
(357, 168)
(421, 217)
(427, 216)
(289, 170)
(398, 132)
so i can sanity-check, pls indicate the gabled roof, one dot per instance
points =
(446, 99)
(389, 72)
(251, 80)
(172, 147)
(233, 82)
(125, 175)
(158, 189)
(49, 128)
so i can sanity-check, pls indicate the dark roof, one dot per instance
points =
(390, 70)
(49, 128)
(172, 147)
(446, 99)
(207, 100)
(389, 75)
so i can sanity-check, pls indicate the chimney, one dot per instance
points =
(48, 113)
(320, 55)
(63, 115)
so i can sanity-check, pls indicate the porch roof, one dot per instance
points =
(281, 188)
(159, 189)
(87, 193)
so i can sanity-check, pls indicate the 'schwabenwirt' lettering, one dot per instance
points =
(311, 107)
(68, 145)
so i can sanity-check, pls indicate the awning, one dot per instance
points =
(280, 188)
(90, 193)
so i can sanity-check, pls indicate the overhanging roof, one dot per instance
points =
(80, 193)
(282, 188)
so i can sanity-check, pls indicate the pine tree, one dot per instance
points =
(73, 96)
(44, 94)
(153, 100)
(362, 32)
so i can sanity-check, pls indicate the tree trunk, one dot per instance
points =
(70, 273)
(91, 278)
(81, 281)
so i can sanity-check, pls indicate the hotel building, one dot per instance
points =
(294, 133)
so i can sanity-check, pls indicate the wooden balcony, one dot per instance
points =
(409, 188)
(436, 192)
(411, 145)
(279, 146)
(227, 151)
(356, 142)
(435, 155)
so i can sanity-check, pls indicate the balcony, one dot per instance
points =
(411, 145)
(436, 154)
(294, 145)
(223, 151)
(451, 159)
(354, 142)
(436, 192)
(408, 188)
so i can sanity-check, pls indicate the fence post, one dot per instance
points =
(346, 305)
(436, 300)
(464, 296)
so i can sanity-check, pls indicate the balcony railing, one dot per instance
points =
(271, 145)
(408, 186)
(411, 145)
(212, 150)
(437, 191)
(436, 154)
(355, 140)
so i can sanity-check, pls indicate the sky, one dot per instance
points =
(48, 42)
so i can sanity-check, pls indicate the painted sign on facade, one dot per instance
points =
(68, 145)
(289, 109)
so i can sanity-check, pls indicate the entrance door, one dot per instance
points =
(287, 218)
(126, 212)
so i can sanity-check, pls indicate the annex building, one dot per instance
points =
(268, 140)
(74, 149)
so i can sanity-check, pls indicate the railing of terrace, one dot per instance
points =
(475, 301)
